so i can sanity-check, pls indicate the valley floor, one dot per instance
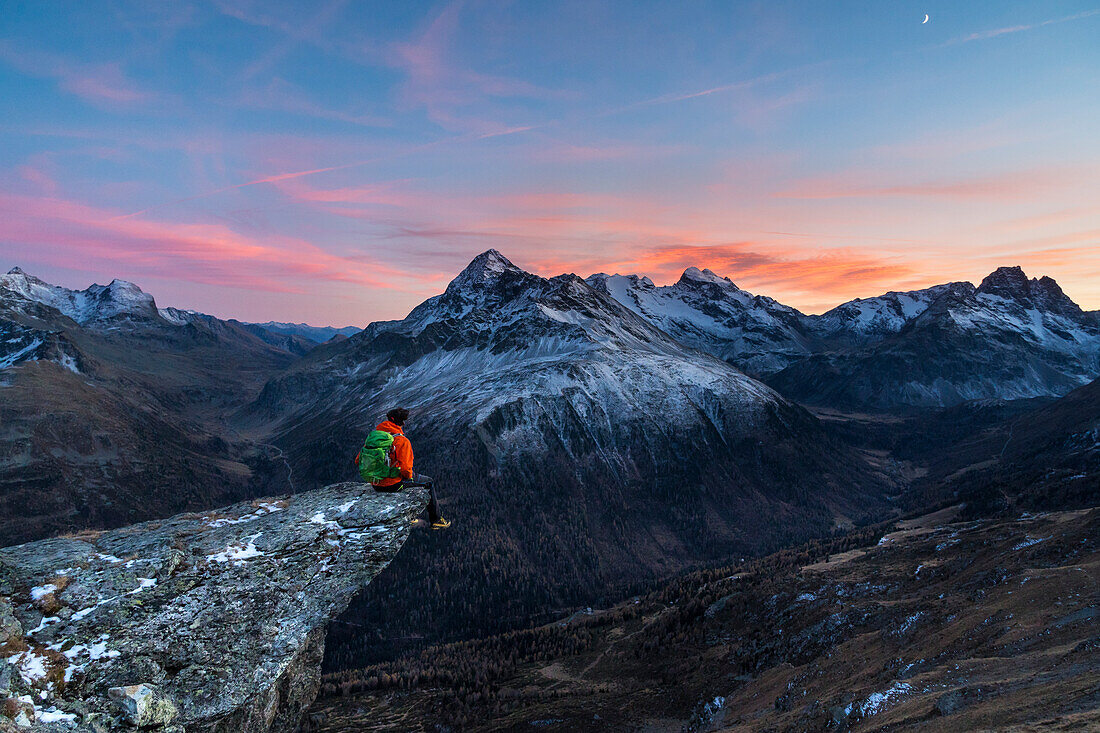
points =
(935, 625)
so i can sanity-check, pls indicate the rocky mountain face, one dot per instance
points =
(97, 304)
(710, 313)
(930, 624)
(113, 411)
(1047, 457)
(201, 622)
(1009, 338)
(867, 320)
(754, 332)
(578, 446)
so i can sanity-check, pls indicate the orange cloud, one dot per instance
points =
(790, 275)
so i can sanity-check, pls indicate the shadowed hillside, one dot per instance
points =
(938, 625)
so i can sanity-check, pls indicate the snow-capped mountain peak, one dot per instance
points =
(487, 267)
(485, 285)
(1011, 283)
(600, 278)
(496, 305)
(95, 303)
(121, 297)
(709, 312)
(865, 319)
(695, 275)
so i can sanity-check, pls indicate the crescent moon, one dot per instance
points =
(925, 19)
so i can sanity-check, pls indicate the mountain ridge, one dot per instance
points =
(900, 350)
(115, 411)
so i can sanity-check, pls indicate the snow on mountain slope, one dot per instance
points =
(60, 319)
(1025, 315)
(710, 313)
(95, 304)
(1009, 338)
(20, 344)
(754, 332)
(498, 335)
(865, 319)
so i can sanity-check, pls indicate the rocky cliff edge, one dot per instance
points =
(213, 621)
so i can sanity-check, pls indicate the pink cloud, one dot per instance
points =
(556, 151)
(490, 211)
(310, 30)
(1091, 236)
(381, 194)
(39, 178)
(279, 177)
(439, 84)
(99, 83)
(61, 231)
(1047, 219)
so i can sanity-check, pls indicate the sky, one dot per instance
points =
(337, 161)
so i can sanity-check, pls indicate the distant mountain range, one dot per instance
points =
(114, 411)
(123, 303)
(708, 312)
(1009, 338)
(317, 334)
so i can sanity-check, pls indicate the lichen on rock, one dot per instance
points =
(203, 622)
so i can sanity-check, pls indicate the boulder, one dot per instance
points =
(143, 705)
(17, 710)
(210, 621)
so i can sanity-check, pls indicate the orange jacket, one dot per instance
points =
(401, 455)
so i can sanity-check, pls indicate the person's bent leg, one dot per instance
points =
(427, 482)
(433, 504)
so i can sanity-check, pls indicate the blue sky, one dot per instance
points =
(337, 162)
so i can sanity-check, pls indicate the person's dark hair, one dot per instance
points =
(398, 415)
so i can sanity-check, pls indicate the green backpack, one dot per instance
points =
(374, 459)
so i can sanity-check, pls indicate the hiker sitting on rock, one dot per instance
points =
(386, 463)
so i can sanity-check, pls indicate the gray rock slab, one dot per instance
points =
(222, 615)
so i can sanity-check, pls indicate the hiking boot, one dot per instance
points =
(419, 523)
(441, 524)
